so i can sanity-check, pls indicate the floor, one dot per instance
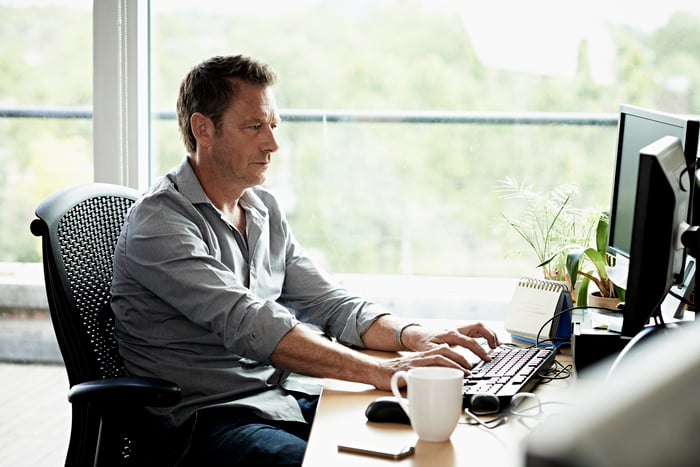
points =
(34, 415)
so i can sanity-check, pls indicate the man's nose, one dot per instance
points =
(270, 143)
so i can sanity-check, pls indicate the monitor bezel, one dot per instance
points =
(690, 126)
(657, 259)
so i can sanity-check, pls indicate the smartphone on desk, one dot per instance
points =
(386, 452)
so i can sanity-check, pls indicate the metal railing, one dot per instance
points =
(369, 116)
(29, 112)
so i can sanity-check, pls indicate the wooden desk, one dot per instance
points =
(340, 416)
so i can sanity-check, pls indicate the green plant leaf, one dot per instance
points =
(619, 292)
(524, 235)
(601, 235)
(547, 261)
(598, 261)
(572, 265)
(605, 285)
(582, 294)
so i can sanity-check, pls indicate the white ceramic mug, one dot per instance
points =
(434, 400)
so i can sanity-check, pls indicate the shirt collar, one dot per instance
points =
(188, 185)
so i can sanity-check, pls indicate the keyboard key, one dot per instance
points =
(511, 370)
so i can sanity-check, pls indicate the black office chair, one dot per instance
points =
(79, 227)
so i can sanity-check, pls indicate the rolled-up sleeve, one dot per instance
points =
(317, 300)
(172, 250)
(198, 303)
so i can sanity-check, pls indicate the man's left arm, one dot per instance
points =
(303, 351)
(357, 322)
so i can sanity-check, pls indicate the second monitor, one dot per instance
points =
(657, 257)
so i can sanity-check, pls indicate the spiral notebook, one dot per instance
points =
(538, 306)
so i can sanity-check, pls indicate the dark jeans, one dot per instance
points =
(238, 437)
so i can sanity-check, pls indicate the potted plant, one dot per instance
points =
(548, 223)
(592, 264)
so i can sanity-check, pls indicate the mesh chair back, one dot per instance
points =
(79, 227)
(82, 225)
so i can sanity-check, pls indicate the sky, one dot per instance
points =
(530, 26)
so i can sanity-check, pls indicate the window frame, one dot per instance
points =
(121, 108)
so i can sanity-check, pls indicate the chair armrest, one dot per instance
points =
(126, 391)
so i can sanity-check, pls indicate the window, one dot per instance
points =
(46, 140)
(401, 117)
(45, 103)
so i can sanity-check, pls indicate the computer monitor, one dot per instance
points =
(661, 206)
(637, 128)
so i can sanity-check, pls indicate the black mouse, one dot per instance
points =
(484, 404)
(386, 410)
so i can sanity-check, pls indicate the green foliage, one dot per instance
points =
(389, 198)
(579, 261)
(547, 221)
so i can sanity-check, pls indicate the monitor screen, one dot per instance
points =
(661, 207)
(637, 128)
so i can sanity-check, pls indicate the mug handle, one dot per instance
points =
(395, 389)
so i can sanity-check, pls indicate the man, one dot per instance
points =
(211, 289)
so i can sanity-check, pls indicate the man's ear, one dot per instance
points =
(202, 127)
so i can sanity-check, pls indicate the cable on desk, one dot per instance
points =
(513, 410)
(556, 315)
(557, 371)
(488, 424)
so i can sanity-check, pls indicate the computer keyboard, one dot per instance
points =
(511, 370)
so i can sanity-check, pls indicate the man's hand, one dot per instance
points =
(430, 347)
(304, 351)
(439, 355)
(418, 338)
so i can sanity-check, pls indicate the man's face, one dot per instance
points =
(244, 143)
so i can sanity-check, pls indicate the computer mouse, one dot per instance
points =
(484, 404)
(386, 410)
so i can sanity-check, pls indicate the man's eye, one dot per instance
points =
(255, 127)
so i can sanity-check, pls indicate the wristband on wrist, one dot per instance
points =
(397, 337)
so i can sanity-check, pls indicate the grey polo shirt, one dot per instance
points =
(196, 304)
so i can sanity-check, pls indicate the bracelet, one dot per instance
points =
(397, 337)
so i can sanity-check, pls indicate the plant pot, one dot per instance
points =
(595, 300)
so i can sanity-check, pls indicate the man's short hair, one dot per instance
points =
(211, 86)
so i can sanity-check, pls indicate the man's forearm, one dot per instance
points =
(304, 351)
(386, 334)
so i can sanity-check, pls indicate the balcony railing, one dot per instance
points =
(475, 294)
(370, 116)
